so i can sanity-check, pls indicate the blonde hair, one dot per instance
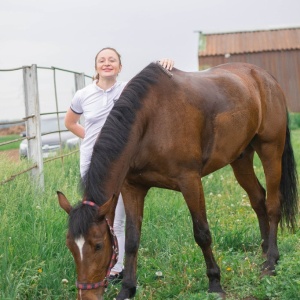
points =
(106, 48)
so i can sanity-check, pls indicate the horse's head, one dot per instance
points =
(93, 244)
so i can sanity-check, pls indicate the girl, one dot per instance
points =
(95, 102)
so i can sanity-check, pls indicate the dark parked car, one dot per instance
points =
(52, 142)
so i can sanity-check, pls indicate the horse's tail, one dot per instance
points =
(289, 185)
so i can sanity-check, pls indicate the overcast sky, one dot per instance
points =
(68, 34)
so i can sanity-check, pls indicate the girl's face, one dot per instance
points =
(108, 64)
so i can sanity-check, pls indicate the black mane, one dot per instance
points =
(115, 132)
(81, 218)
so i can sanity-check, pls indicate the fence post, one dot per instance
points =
(33, 123)
(79, 81)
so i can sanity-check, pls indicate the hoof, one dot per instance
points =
(221, 294)
(267, 272)
(126, 294)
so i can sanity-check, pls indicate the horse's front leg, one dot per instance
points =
(133, 197)
(192, 190)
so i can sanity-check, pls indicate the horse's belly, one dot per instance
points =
(153, 178)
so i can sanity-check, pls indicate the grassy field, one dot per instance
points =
(7, 138)
(34, 259)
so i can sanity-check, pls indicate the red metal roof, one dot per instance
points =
(249, 41)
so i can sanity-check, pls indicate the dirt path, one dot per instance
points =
(12, 155)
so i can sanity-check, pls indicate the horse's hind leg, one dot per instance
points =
(191, 188)
(245, 175)
(270, 155)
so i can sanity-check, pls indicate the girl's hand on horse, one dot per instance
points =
(167, 63)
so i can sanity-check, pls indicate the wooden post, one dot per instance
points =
(33, 123)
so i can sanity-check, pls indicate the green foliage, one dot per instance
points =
(294, 120)
(34, 259)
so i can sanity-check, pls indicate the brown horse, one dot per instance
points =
(169, 130)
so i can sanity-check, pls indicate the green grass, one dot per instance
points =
(11, 146)
(294, 120)
(34, 258)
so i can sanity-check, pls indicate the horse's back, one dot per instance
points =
(234, 89)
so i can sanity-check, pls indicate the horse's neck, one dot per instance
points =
(119, 168)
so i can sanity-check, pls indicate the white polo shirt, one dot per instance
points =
(95, 104)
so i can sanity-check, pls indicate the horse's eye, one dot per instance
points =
(98, 247)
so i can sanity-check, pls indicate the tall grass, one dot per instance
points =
(34, 259)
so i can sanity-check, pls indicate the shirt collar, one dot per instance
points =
(108, 90)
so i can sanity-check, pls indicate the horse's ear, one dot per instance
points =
(109, 206)
(64, 202)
